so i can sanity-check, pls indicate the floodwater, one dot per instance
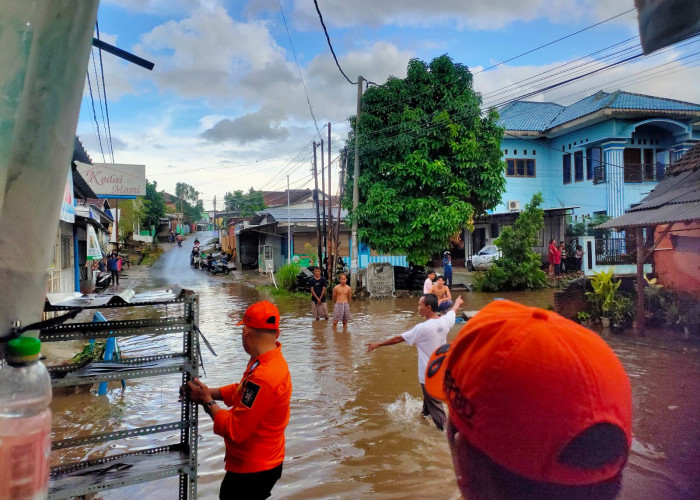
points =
(355, 428)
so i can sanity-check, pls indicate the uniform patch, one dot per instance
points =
(249, 394)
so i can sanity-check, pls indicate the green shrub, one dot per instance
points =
(604, 293)
(286, 277)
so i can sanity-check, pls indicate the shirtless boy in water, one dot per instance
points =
(342, 296)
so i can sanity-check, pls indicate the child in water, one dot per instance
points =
(342, 296)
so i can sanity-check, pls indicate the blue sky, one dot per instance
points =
(225, 108)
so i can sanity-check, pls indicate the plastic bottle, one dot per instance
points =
(25, 422)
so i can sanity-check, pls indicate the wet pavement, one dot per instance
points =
(355, 427)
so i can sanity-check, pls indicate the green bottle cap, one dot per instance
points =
(23, 349)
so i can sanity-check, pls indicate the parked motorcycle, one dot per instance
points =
(221, 267)
(103, 280)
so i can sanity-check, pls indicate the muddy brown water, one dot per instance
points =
(355, 428)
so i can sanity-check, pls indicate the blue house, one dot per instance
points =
(600, 155)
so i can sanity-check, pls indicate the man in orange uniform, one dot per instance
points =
(253, 426)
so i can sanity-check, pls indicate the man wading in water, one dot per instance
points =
(427, 337)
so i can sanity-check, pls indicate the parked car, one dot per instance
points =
(484, 258)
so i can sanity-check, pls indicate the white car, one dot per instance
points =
(484, 258)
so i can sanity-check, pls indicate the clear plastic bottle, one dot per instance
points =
(25, 422)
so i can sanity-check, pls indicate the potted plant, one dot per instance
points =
(584, 318)
(603, 295)
(621, 312)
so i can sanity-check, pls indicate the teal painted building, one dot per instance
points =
(601, 154)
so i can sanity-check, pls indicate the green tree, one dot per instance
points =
(430, 161)
(152, 207)
(245, 204)
(519, 266)
(192, 206)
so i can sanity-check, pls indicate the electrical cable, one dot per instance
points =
(104, 90)
(94, 114)
(330, 45)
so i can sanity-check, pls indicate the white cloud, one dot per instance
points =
(475, 14)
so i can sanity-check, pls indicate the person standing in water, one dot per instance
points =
(342, 296)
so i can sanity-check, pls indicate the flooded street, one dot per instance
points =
(355, 427)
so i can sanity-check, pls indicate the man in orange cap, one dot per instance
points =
(253, 427)
(540, 407)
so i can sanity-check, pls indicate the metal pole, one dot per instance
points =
(323, 212)
(318, 217)
(330, 210)
(341, 183)
(641, 313)
(355, 191)
(289, 229)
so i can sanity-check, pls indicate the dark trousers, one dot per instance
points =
(433, 407)
(249, 486)
(115, 277)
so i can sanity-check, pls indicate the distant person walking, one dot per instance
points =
(447, 268)
(562, 257)
(427, 337)
(317, 286)
(342, 296)
(113, 266)
(428, 285)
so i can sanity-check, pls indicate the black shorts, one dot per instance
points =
(249, 486)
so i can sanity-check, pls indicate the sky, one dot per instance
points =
(241, 89)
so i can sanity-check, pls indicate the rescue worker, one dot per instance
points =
(253, 427)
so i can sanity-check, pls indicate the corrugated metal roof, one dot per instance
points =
(675, 199)
(540, 116)
(298, 214)
(666, 214)
(689, 161)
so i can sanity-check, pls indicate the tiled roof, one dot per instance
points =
(79, 153)
(526, 115)
(540, 116)
(689, 161)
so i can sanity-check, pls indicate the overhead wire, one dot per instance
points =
(330, 45)
(296, 60)
(94, 114)
(104, 90)
(99, 97)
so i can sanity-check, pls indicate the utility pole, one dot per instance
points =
(323, 186)
(214, 212)
(289, 228)
(355, 191)
(330, 212)
(341, 183)
(318, 217)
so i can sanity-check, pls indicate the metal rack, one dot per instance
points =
(146, 464)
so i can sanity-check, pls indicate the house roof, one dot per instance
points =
(277, 198)
(675, 199)
(299, 215)
(81, 189)
(689, 161)
(541, 116)
(169, 198)
(79, 153)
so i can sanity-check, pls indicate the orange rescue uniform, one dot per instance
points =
(253, 428)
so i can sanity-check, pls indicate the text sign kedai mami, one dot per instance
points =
(114, 179)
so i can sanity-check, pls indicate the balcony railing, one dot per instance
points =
(612, 251)
(645, 172)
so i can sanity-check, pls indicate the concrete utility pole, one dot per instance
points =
(214, 212)
(321, 260)
(330, 214)
(318, 216)
(355, 191)
(289, 228)
(341, 183)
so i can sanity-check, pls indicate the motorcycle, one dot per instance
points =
(103, 280)
(221, 266)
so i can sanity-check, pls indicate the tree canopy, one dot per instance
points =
(192, 207)
(245, 204)
(429, 160)
(152, 206)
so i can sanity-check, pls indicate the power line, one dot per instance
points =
(104, 90)
(555, 41)
(330, 45)
(296, 60)
(94, 114)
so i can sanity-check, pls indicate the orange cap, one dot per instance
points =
(522, 382)
(263, 315)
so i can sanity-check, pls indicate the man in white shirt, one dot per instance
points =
(428, 285)
(427, 337)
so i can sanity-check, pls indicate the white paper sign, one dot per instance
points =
(93, 247)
